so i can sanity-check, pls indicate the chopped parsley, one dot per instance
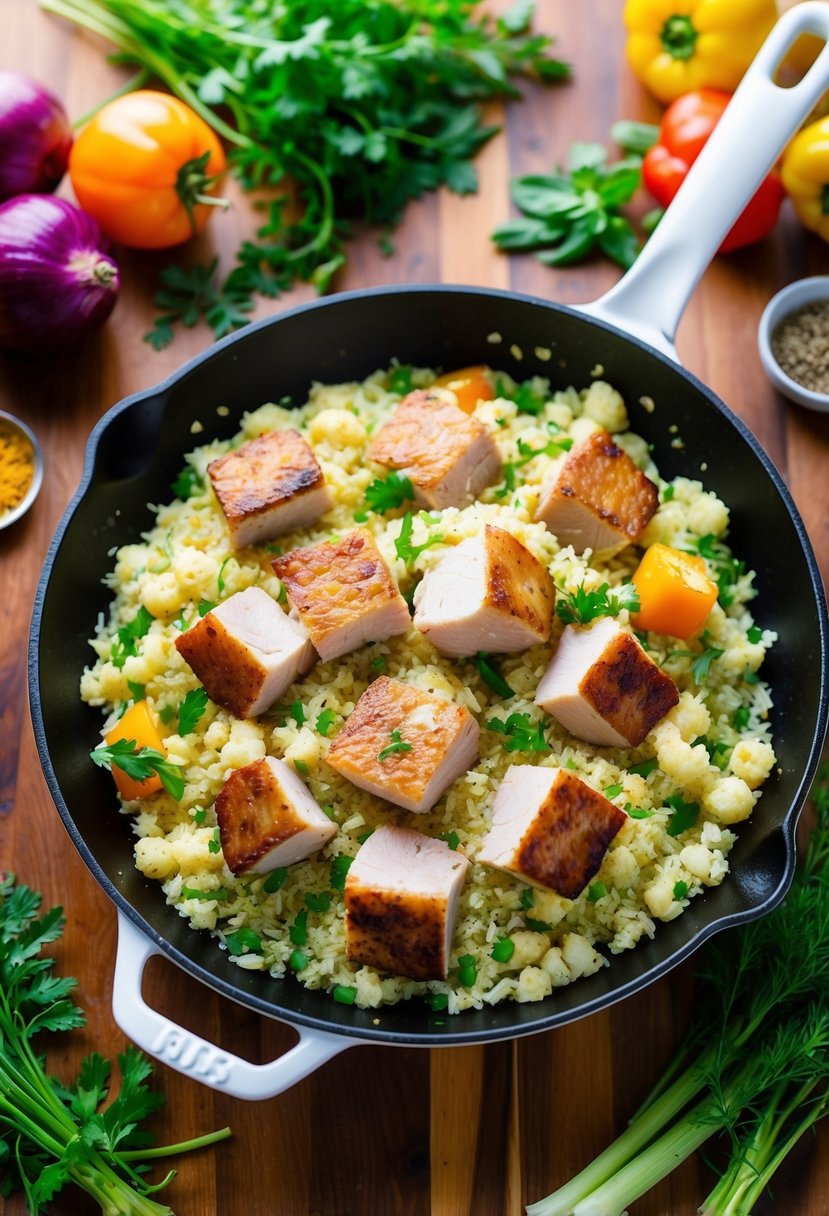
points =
(339, 868)
(197, 893)
(215, 844)
(317, 901)
(521, 733)
(718, 751)
(243, 941)
(740, 717)
(275, 880)
(503, 950)
(451, 838)
(579, 607)
(139, 763)
(491, 676)
(138, 692)
(191, 709)
(205, 606)
(188, 483)
(406, 551)
(553, 448)
(611, 791)
(388, 493)
(701, 666)
(399, 379)
(727, 570)
(684, 816)
(644, 768)
(298, 931)
(125, 644)
(397, 745)
(528, 397)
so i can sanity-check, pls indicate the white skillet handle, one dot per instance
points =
(758, 123)
(194, 1056)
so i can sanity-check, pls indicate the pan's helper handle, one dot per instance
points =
(194, 1056)
(756, 126)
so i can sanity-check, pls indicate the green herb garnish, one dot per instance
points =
(53, 1134)
(684, 816)
(491, 676)
(197, 893)
(188, 483)
(275, 880)
(645, 767)
(317, 901)
(680, 889)
(452, 839)
(339, 869)
(387, 493)
(139, 763)
(521, 733)
(579, 607)
(406, 551)
(125, 644)
(397, 745)
(191, 710)
(325, 721)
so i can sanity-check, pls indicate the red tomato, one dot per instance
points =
(685, 127)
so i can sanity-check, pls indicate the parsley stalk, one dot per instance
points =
(52, 1135)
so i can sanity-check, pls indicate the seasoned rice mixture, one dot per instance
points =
(695, 776)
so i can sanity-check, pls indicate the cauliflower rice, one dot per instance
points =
(713, 749)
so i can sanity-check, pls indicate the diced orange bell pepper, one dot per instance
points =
(470, 385)
(675, 593)
(136, 724)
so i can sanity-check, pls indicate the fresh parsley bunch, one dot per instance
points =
(362, 105)
(50, 1134)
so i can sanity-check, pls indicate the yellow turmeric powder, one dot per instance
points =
(17, 468)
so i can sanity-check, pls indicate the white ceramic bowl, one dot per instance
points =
(796, 295)
(9, 423)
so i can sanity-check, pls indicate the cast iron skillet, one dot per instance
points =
(136, 450)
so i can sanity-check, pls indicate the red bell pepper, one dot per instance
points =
(685, 126)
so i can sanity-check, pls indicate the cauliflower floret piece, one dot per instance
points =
(753, 760)
(154, 857)
(533, 985)
(550, 907)
(741, 655)
(707, 515)
(130, 560)
(659, 896)
(193, 569)
(620, 867)
(555, 966)
(582, 428)
(636, 790)
(217, 735)
(603, 403)
(697, 861)
(306, 747)
(688, 766)
(690, 716)
(529, 947)
(369, 989)
(178, 749)
(729, 800)
(580, 956)
(191, 850)
(246, 744)
(161, 594)
(341, 428)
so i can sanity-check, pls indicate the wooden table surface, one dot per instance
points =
(381, 1130)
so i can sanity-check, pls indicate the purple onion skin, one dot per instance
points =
(35, 137)
(57, 283)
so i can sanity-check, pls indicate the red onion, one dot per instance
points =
(35, 137)
(56, 284)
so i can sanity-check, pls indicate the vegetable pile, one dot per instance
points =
(756, 1059)
(53, 1134)
(362, 106)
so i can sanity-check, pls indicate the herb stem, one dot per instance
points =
(183, 1146)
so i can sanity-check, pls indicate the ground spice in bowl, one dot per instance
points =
(800, 344)
(20, 469)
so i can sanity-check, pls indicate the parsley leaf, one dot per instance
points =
(406, 551)
(191, 710)
(363, 105)
(139, 763)
(387, 493)
(521, 733)
(188, 483)
(53, 1134)
(125, 644)
(726, 570)
(684, 816)
(491, 676)
(325, 720)
(397, 744)
(579, 607)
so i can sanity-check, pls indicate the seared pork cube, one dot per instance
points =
(404, 745)
(549, 828)
(448, 456)
(343, 593)
(597, 498)
(268, 486)
(268, 818)
(490, 593)
(401, 898)
(246, 652)
(603, 688)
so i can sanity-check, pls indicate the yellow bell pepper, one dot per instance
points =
(675, 46)
(805, 174)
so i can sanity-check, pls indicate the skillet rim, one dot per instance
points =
(381, 1034)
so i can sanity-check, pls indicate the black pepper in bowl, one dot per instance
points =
(800, 344)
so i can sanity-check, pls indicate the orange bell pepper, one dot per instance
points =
(138, 725)
(470, 385)
(675, 593)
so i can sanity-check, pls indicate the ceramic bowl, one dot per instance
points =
(8, 423)
(788, 300)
